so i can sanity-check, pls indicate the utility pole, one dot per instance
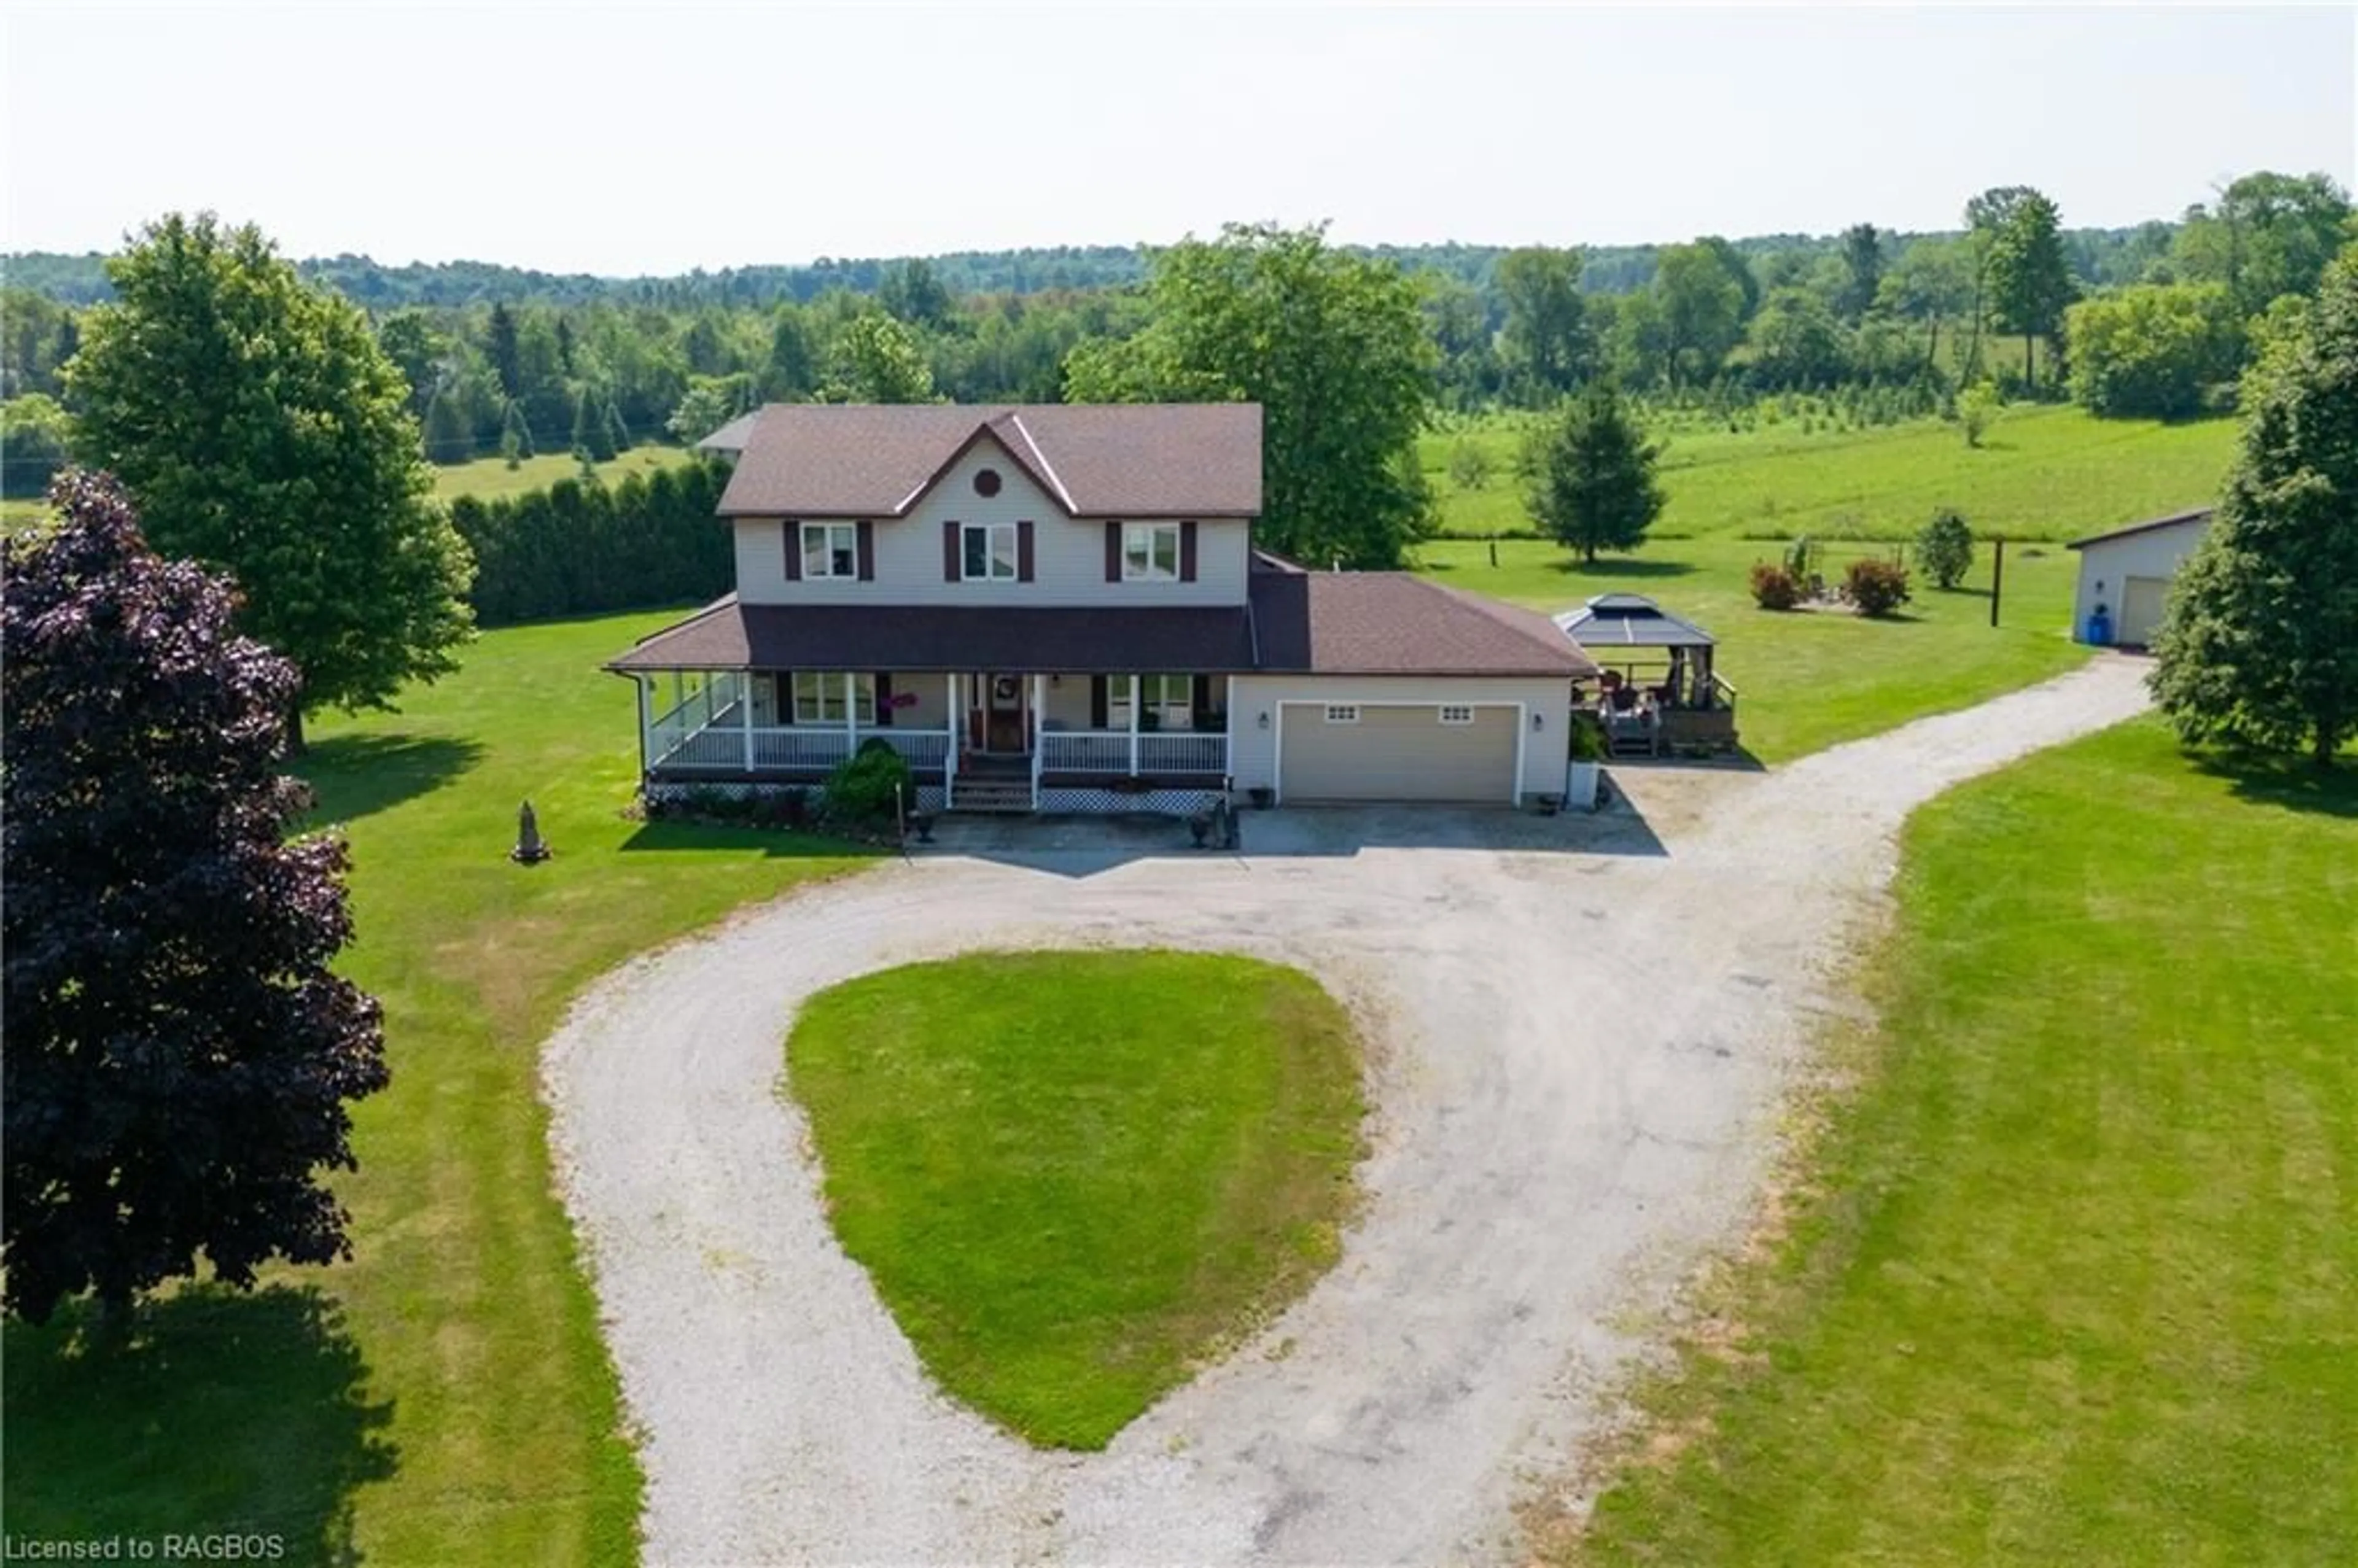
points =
(1997, 575)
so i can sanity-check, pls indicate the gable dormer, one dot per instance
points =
(1055, 505)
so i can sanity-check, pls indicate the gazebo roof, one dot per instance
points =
(1629, 620)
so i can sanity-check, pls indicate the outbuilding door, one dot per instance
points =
(1435, 752)
(2141, 602)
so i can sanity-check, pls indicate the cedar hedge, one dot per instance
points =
(586, 547)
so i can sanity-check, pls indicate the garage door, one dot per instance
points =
(1428, 751)
(2141, 602)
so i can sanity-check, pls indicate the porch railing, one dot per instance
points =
(1108, 751)
(793, 747)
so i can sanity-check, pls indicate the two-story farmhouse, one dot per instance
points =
(1060, 608)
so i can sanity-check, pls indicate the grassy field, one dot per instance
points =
(445, 1396)
(489, 477)
(1073, 1176)
(22, 513)
(2069, 1279)
(1808, 680)
(2044, 473)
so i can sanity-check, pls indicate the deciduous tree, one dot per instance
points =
(1593, 486)
(2029, 276)
(875, 358)
(262, 430)
(2268, 235)
(1700, 306)
(1547, 333)
(180, 1052)
(1331, 345)
(1862, 255)
(2260, 645)
(2153, 351)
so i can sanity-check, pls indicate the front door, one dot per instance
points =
(1004, 728)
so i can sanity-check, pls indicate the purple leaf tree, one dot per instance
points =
(178, 1057)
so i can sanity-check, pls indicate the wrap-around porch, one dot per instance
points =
(1009, 741)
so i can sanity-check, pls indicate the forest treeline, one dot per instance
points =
(2156, 320)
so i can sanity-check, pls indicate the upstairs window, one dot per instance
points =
(830, 549)
(988, 552)
(1150, 552)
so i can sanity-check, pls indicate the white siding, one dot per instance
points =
(2106, 567)
(1254, 750)
(1068, 554)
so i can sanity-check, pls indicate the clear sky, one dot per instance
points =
(618, 138)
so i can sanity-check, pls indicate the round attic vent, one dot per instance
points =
(986, 482)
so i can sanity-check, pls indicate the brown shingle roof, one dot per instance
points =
(1115, 640)
(1364, 623)
(1146, 459)
(1396, 623)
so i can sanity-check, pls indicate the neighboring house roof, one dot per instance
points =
(1629, 620)
(1370, 623)
(731, 437)
(1146, 459)
(1365, 624)
(2176, 519)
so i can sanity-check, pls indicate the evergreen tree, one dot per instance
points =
(514, 433)
(506, 355)
(1592, 478)
(448, 437)
(2260, 645)
(181, 1051)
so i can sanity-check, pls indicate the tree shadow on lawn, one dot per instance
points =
(2296, 784)
(1572, 565)
(359, 775)
(224, 1413)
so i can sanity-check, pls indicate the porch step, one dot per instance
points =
(992, 794)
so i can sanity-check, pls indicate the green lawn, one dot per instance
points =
(2071, 1276)
(445, 1396)
(1074, 1175)
(1809, 680)
(21, 512)
(2046, 472)
(489, 477)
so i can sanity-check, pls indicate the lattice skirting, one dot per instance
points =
(929, 796)
(1166, 802)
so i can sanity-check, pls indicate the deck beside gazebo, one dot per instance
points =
(1659, 694)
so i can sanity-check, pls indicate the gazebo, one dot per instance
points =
(1660, 692)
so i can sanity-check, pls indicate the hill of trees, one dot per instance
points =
(502, 360)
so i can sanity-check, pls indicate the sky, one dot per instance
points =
(633, 139)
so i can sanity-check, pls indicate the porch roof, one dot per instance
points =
(1207, 640)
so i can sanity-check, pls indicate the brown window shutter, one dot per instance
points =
(793, 551)
(1199, 699)
(883, 684)
(1186, 552)
(867, 552)
(1113, 552)
(1023, 552)
(1097, 702)
(781, 695)
(949, 552)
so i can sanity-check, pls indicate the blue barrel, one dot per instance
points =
(2100, 628)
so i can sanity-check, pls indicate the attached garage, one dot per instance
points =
(2124, 578)
(1398, 751)
(1373, 686)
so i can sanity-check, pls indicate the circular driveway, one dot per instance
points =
(1579, 1030)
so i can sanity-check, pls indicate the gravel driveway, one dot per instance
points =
(1579, 1042)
